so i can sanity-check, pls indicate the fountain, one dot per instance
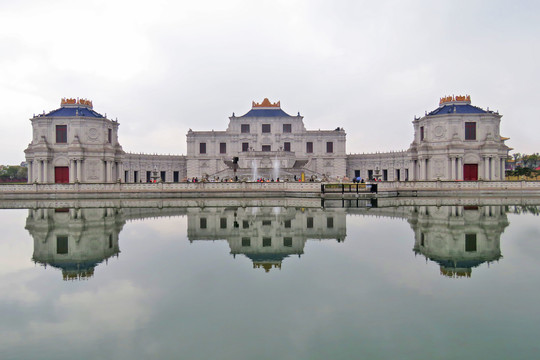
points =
(276, 164)
(254, 173)
(155, 176)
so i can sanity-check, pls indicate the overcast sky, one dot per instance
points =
(368, 66)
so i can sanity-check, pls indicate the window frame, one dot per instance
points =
(470, 130)
(245, 129)
(266, 128)
(222, 147)
(62, 245)
(309, 147)
(471, 244)
(287, 146)
(329, 147)
(202, 148)
(61, 134)
(287, 128)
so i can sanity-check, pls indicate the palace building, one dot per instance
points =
(456, 141)
(269, 143)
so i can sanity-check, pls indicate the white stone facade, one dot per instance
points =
(74, 240)
(266, 235)
(392, 166)
(458, 238)
(268, 143)
(457, 141)
(146, 167)
(74, 144)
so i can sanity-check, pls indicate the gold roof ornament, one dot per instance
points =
(265, 104)
(267, 266)
(71, 101)
(456, 273)
(453, 99)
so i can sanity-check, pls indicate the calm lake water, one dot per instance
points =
(250, 281)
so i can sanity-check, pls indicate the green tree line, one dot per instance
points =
(13, 173)
(525, 165)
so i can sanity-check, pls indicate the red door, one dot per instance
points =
(470, 172)
(61, 175)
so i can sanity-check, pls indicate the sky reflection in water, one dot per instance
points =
(269, 282)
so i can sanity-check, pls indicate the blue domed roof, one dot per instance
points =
(266, 113)
(260, 257)
(457, 109)
(456, 105)
(74, 107)
(266, 109)
(74, 111)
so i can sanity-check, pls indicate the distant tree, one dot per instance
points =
(10, 173)
(533, 160)
(22, 172)
(523, 171)
(526, 161)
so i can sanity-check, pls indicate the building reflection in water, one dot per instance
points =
(74, 240)
(458, 238)
(266, 235)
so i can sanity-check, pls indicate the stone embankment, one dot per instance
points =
(267, 190)
(161, 190)
(458, 188)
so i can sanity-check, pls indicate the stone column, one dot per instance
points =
(425, 169)
(29, 180)
(109, 171)
(121, 171)
(503, 169)
(460, 168)
(491, 168)
(452, 168)
(39, 167)
(105, 175)
(45, 172)
(71, 171)
(79, 170)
